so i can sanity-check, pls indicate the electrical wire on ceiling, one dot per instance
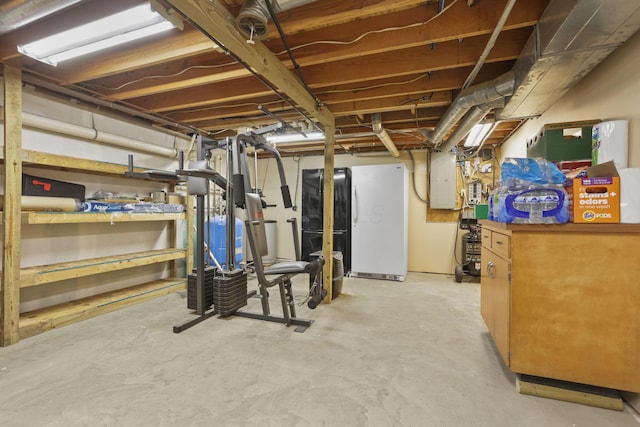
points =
(161, 76)
(264, 81)
(377, 86)
(286, 51)
(256, 104)
(420, 137)
(296, 66)
(368, 33)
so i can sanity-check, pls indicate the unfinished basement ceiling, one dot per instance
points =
(405, 60)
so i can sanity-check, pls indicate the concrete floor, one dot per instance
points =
(382, 354)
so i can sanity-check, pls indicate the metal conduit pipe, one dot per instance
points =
(483, 93)
(94, 101)
(490, 44)
(253, 16)
(381, 133)
(91, 134)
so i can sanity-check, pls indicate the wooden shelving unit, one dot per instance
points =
(80, 217)
(15, 325)
(45, 319)
(40, 275)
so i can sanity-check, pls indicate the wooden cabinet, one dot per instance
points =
(16, 325)
(563, 301)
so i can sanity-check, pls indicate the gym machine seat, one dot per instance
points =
(284, 271)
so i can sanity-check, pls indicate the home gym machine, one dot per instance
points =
(213, 290)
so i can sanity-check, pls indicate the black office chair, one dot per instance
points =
(283, 271)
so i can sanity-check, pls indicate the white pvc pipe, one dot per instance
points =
(91, 134)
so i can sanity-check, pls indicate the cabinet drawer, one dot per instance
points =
(501, 244)
(486, 238)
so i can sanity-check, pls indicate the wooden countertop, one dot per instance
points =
(565, 228)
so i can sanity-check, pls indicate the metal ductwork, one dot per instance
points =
(475, 115)
(381, 133)
(483, 93)
(253, 17)
(17, 13)
(571, 38)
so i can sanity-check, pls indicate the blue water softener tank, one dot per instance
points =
(218, 240)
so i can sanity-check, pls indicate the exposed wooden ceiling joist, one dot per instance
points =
(215, 20)
(404, 59)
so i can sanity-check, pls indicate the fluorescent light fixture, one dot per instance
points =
(478, 134)
(296, 137)
(131, 24)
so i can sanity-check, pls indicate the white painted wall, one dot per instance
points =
(47, 244)
(430, 244)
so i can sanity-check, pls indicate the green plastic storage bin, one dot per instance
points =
(554, 144)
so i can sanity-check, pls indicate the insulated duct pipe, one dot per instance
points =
(381, 133)
(91, 134)
(253, 17)
(472, 118)
(483, 93)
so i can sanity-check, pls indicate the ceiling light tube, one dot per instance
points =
(296, 137)
(478, 134)
(131, 24)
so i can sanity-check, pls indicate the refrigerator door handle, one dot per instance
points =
(355, 205)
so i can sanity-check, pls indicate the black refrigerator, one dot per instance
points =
(312, 213)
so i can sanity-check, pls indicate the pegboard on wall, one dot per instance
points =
(476, 176)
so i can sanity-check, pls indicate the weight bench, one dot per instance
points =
(283, 271)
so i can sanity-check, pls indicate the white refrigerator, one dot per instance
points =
(379, 221)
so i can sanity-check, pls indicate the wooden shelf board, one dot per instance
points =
(76, 164)
(83, 217)
(45, 319)
(39, 275)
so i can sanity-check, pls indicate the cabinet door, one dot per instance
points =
(495, 299)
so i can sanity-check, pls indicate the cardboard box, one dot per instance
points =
(595, 198)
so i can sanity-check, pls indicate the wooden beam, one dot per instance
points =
(42, 274)
(356, 71)
(339, 11)
(10, 291)
(216, 21)
(327, 225)
(57, 316)
(173, 44)
(458, 23)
